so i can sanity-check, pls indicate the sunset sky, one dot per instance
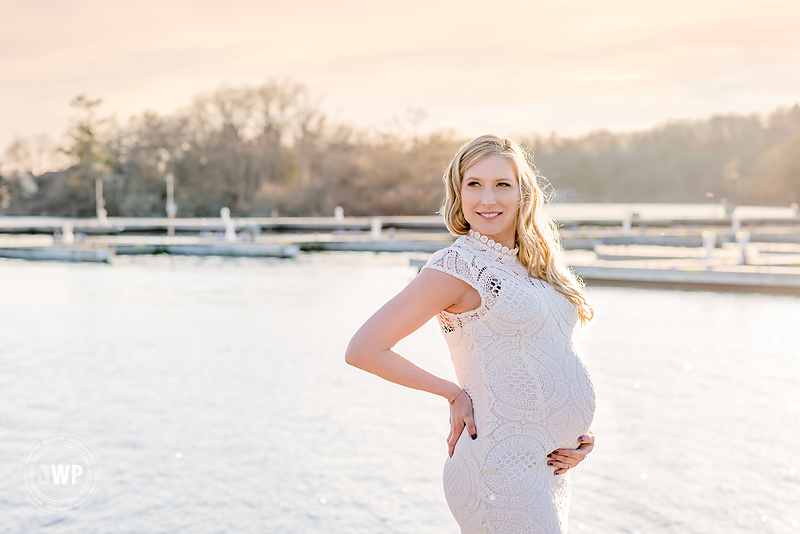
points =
(502, 66)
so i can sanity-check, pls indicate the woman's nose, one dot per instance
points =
(488, 198)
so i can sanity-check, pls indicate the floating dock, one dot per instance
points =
(236, 250)
(65, 254)
(568, 216)
(104, 248)
(692, 246)
(729, 278)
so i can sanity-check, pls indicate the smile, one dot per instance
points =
(489, 214)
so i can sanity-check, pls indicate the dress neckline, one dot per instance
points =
(492, 244)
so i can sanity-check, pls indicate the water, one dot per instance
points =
(237, 366)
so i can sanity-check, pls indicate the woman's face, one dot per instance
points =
(490, 198)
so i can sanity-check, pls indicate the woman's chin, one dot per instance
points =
(488, 228)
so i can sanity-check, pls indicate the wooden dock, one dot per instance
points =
(568, 216)
(699, 247)
(753, 278)
(104, 248)
(64, 254)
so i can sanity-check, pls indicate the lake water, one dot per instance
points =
(216, 396)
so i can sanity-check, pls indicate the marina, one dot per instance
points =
(693, 246)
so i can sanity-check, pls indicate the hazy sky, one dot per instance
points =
(502, 66)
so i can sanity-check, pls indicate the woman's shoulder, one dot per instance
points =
(458, 259)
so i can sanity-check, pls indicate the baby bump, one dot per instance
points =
(566, 421)
(538, 385)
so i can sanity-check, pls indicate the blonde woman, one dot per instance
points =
(507, 306)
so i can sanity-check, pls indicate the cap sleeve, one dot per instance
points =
(456, 262)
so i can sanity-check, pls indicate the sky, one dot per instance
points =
(508, 67)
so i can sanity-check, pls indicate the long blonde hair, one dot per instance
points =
(537, 236)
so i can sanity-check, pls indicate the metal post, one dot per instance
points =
(67, 236)
(99, 201)
(627, 220)
(709, 242)
(742, 238)
(376, 227)
(172, 208)
(230, 227)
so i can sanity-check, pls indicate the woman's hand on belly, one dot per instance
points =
(461, 416)
(565, 459)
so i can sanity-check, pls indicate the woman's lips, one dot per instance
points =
(489, 214)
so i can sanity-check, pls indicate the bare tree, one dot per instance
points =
(87, 150)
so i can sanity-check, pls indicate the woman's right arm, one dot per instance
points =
(371, 347)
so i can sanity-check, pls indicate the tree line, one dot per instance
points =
(271, 149)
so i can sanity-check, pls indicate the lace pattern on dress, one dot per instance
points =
(531, 393)
(462, 264)
(466, 259)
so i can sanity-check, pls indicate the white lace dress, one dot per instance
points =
(531, 393)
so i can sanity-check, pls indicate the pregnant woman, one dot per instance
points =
(507, 306)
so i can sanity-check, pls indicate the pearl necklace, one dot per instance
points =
(491, 243)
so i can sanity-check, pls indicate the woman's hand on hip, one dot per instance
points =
(460, 416)
(565, 459)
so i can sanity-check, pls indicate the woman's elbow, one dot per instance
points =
(353, 355)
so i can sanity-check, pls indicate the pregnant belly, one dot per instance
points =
(541, 385)
(573, 415)
(551, 392)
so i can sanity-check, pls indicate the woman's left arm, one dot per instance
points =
(565, 459)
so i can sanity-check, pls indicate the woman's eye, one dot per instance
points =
(504, 184)
(470, 184)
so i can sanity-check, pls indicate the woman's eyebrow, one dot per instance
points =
(502, 179)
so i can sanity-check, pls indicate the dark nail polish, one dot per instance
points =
(549, 463)
(474, 436)
(581, 438)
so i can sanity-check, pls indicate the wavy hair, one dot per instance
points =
(537, 236)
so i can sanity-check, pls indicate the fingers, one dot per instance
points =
(469, 419)
(461, 417)
(453, 439)
(579, 454)
(587, 441)
(565, 459)
(559, 464)
(565, 454)
(561, 467)
(455, 433)
(561, 461)
(471, 430)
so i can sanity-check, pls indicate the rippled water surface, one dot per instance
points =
(216, 396)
